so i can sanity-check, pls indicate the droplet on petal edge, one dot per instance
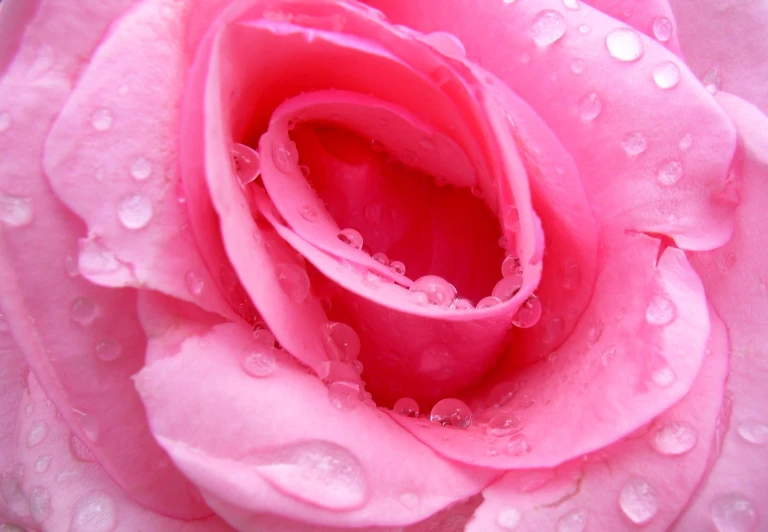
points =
(662, 29)
(438, 291)
(342, 342)
(294, 281)
(674, 439)
(590, 106)
(639, 500)
(246, 162)
(351, 237)
(259, 361)
(528, 314)
(451, 412)
(407, 407)
(509, 518)
(135, 211)
(548, 26)
(624, 44)
(344, 395)
(666, 75)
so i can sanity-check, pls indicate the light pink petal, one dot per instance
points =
(593, 101)
(736, 280)
(645, 479)
(292, 453)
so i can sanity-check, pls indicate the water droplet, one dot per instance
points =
(135, 211)
(571, 4)
(463, 304)
(308, 213)
(40, 503)
(674, 439)
(319, 472)
(293, 280)
(594, 333)
(451, 413)
(507, 287)
(509, 518)
(634, 143)
(669, 173)
(80, 450)
(638, 500)
(518, 445)
(528, 314)
(585, 29)
(511, 267)
(101, 119)
(624, 44)
(5, 121)
(573, 521)
(754, 432)
(397, 267)
(512, 219)
(504, 424)
(94, 513)
(439, 292)
(489, 301)
(194, 282)
(285, 156)
(351, 237)
(305, 171)
(712, 80)
(446, 43)
(259, 361)
(95, 260)
(42, 463)
(381, 258)
(15, 211)
(590, 106)
(732, 512)
(666, 75)
(405, 406)
(108, 350)
(409, 499)
(246, 162)
(578, 66)
(660, 311)
(342, 343)
(141, 169)
(662, 29)
(83, 311)
(37, 433)
(548, 26)
(344, 395)
(503, 242)
(685, 142)
(263, 337)
(663, 376)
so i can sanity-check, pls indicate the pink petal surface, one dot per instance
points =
(68, 328)
(644, 479)
(733, 496)
(273, 460)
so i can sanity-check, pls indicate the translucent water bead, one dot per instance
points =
(437, 290)
(451, 413)
(351, 237)
(528, 314)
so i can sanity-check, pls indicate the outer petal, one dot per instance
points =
(734, 496)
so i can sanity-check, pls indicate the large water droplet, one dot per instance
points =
(15, 211)
(439, 292)
(507, 287)
(509, 518)
(638, 500)
(489, 301)
(674, 439)
(669, 173)
(666, 75)
(263, 337)
(405, 406)
(519, 445)
(319, 472)
(660, 311)
(451, 413)
(573, 521)
(548, 26)
(753, 431)
(344, 395)
(504, 424)
(512, 219)
(511, 267)
(634, 143)
(95, 260)
(528, 314)
(351, 237)
(101, 119)
(37, 433)
(712, 80)
(342, 343)
(624, 44)
(293, 280)
(5, 121)
(108, 350)
(397, 267)
(285, 156)
(733, 512)
(194, 282)
(463, 304)
(94, 513)
(141, 169)
(135, 211)
(247, 163)
(83, 311)
(590, 106)
(40, 503)
(259, 361)
(662, 29)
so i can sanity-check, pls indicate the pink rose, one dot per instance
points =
(308, 265)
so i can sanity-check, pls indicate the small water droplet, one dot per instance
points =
(463, 304)
(83, 311)
(381, 258)
(259, 361)
(509, 518)
(511, 267)
(246, 162)
(753, 431)
(674, 439)
(409, 499)
(102, 119)
(548, 27)
(638, 500)
(585, 29)
(733, 512)
(397, 267)
(578, 66)
(594, 333)
(263, 337)
(624, 44)
(663, 376)
(438, 291)
(405, 406)
(528, 314)
(42, 463)
(518, 445)
(5, 121)
(294, 281)
(573, 521)
(37, 433)
(351, 237)
(666, 75)
(571, 4)
(135, 211)
(194, 282)
(95, 260)
(94, 513)
(285, 156)
(446, 43)
(344, 395)
(342, 343)
(451, 413)
(660, 311)
(662, 29)
(489, 301)
(80, 450)
(590, 106)
(40, 503)
(712, 80)
(141, 169)
(308, 212)
(507, 287)
(512, 219)
(634, 143)
(15, 211)
(685, 142)
(108, 350)
(504, 424)
(669, 173)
